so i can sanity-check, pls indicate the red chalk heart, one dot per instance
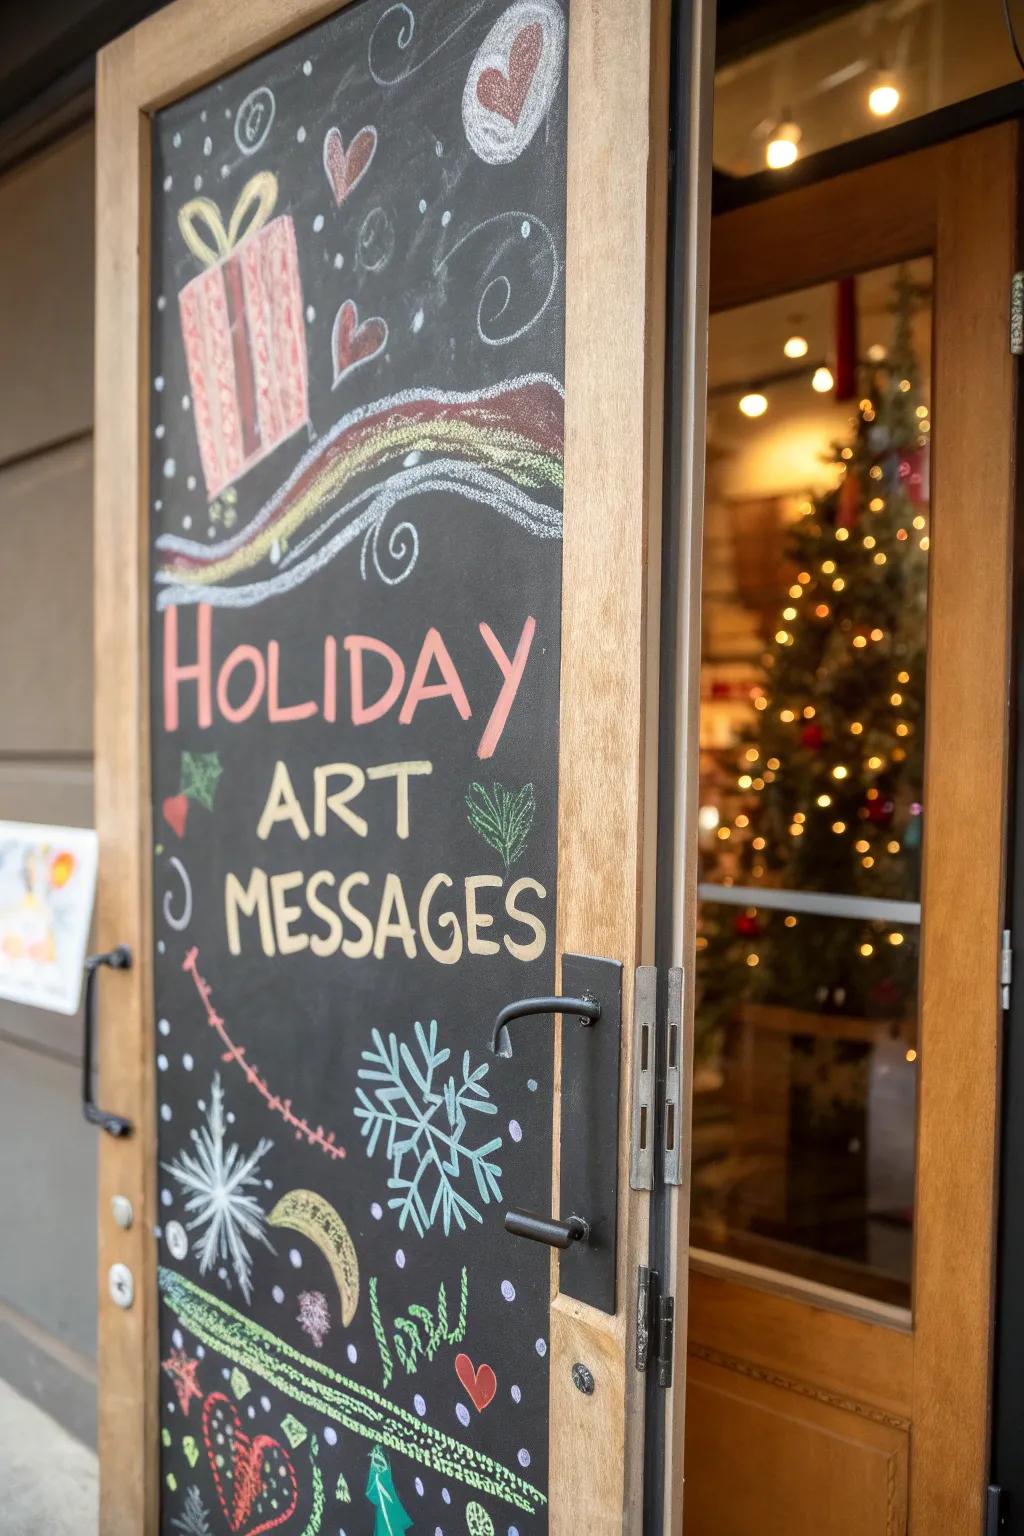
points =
(346, 167)
(254, 1478)
(480, 1381)
(506, 93)
(352, 343)
(175, 810)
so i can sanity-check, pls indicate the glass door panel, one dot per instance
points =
(812, 785)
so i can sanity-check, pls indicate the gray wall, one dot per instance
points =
(47, 1153)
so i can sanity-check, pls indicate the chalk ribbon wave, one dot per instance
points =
(500, 447)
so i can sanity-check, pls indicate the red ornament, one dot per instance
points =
(849, 503)
(746, 926)
(812, 736)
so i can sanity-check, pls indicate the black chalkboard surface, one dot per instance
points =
(356, 491)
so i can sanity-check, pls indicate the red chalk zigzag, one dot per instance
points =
(236, 1053)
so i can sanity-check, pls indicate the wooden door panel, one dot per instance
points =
(771, 1450)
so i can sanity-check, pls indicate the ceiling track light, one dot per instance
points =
(884, 95)
(784, 144)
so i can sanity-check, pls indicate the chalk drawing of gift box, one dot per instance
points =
(242, 325)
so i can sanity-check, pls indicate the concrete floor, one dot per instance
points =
(48, 1484)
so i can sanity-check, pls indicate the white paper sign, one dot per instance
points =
(47, 886)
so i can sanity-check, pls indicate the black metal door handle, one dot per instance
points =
(118, 959)
(547, 1229)
(586, 1009)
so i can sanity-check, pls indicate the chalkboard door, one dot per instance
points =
(377, 481)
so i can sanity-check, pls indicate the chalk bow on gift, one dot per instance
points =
(252, 210)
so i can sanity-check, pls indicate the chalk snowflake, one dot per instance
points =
(218, 1180)
(194, 1519)
(425, 1117)
(314, 1317)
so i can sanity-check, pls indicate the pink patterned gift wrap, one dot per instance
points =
(242, 325)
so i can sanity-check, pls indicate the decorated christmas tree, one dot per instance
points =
(824, 793)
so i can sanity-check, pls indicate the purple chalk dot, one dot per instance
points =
(400, 1257)
(419, 1405)
(376, 1211)
(295, 1257)
(446, 1495)
(531, 1083)
(508, 1290)
(517, 1394)
(541, 1347)
(330, 1436)
(265, 1403)
(353, 1354)
(178, 1339)
(277, 1294)
(462, 1414)
(418, 1485)
(515, 1130)
(523, 1458)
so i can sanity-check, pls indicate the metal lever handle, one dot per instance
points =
(118, 959)
(586, 1009)
(547, 1229)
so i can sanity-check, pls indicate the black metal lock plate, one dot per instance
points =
(590, 1130)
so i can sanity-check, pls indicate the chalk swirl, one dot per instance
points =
(403, 16)
(527, 245)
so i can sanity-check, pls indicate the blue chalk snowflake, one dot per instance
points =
(425, 1116)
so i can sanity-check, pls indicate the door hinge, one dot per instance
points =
(655, 1323)
(671, 1108)
(994, 1510)
(645, 1050)
(1017, 314)
(1005, 969)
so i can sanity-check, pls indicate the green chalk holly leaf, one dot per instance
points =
(391, 1519)
(478, 1521)
(341, 1492)
(502, 817)
(293, 1430)
(200, 774)
(240, 1383)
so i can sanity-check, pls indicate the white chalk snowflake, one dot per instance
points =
(314, 1316)
(218, 1180)
(425, 1115)
(194, 1519)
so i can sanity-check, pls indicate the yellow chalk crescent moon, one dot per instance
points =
(301, 1210)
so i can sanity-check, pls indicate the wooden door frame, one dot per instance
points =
(959, 203)
(618, 62)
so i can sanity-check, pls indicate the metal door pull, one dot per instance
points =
(586, 1009)
(118, 959)
(547, 1229)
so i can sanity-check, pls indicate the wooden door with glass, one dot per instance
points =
(854, 690)
(373, 724)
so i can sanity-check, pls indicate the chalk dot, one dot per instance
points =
(225, 172)
(211, 533)
(222, 1273)
(202, 116)
(207, 146)
(423, 205)
(508, 1290)
(277, 1294)
(187, 1062)
(168, 183)
(295, 1258)
(446, 1495)
(419, 1405)
(201, 1106)
(330, 1436)
(353, 1354)
(446, 218)
(159, 430)
(165, 1112)
(227, 111)
(158, 505)
(186, 403)
(541, 1347)
(160, 946)
(268, 1183)
(161, 302)
(265, 1403)
(400, 1257)
(225, 1372)
(186, 523)
(376, 1210)
(158, 383)
(417, 322)
(200, 1352)
(513, 1530)
(523, 1458)
(462, 1414)
(178, 1339)
(524, 229)
(251, 1411)
(516, 1393)
(339, 261)
(301, 135)
(166, 1197)
(515, 1130)
(191, 483)
(318, 223)
(310, 313)
(307, 67)
(161, 1062)
(418, 1485)
(197, 182)
(531, 1083)
(169, 469)
(176, 141)
(438, 148)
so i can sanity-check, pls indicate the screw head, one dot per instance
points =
(583, 1378)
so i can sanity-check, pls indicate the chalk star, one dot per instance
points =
(200, 773)
(182, 1371)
